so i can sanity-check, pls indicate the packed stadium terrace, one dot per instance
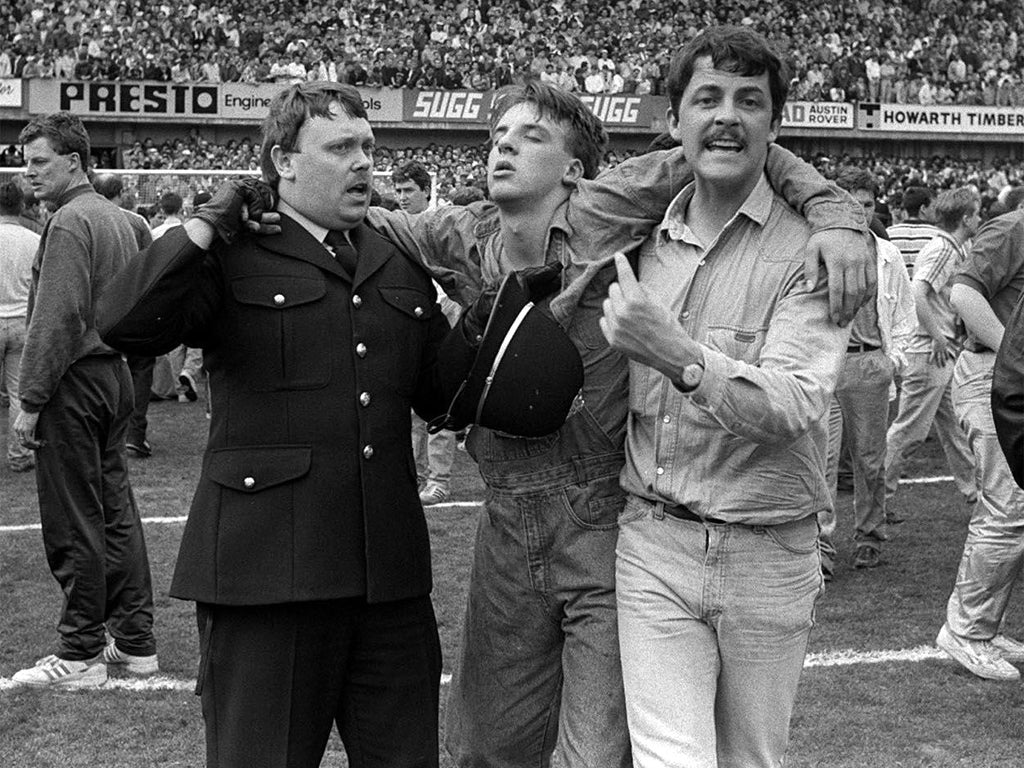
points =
(915, 51)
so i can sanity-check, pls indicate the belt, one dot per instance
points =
(683, 512)
(851, 348)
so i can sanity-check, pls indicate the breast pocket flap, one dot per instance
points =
(253, 469)
(409, 301)
(277, 292)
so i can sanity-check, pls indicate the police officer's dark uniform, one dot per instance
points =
(307, 509)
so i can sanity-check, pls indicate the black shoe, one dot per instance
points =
(189, 386)
(139, 450)
(894, 518)
(867, 557)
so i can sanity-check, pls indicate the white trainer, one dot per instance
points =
(136, 665)
(1009, 648)
(979, 656)
(53, 671)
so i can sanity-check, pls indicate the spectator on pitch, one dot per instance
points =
(306, 548)
(860, 406)
(717, 568)
(917, 228)
(170, 206)
(1008, 393)
(433, 454)
(556, 591)
(18, 247)
(76, 400)
(111, 187)
(984, 294)
(932, 349)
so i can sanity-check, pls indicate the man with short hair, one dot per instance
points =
(984, 294)
(434, 454)
(932, 349)
(732, 364)
(538, 673)
(916, 230)
(76, 402)
(859, 412)
(18, 247)
(111, 187)
(170, 207)
(411, 182)
(306, 549)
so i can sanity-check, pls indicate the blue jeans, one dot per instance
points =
(713, 626)
(538, 671)
(994, 550)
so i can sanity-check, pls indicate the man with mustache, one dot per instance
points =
(732, 365)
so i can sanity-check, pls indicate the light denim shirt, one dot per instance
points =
(748, 445)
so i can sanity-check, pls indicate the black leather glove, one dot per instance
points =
(537, 283)
(224, 211)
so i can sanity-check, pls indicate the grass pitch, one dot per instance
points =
(863, 701)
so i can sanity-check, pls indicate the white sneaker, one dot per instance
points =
(1009, 648)
(136, 665)
(979, 656)
(433, 493)
(53, 671)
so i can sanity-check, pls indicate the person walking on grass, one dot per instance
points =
(984, 294)
(76, 404)
(932, 350)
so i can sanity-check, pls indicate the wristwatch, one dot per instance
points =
(690, 377)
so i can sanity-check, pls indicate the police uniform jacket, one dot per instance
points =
(308, 487)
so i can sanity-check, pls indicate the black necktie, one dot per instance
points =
(343, 250)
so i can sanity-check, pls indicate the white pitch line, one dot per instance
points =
(845, 658)
(182, 518)
(924, 480)
(850, 657)
(146, 684)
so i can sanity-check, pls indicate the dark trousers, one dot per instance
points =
(273, 679)
(142, 386)
(91, 528)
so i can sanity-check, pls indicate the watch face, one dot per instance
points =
(692, 374)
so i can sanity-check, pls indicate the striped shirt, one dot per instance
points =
(937, 262)
(910, 236)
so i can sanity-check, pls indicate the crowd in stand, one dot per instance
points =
(917, 51)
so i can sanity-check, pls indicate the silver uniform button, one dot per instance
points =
(368, 452)
(279, 299)
(418, 311)
(249, 482)
(357, 301)
(361, 349)
(364, 399)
